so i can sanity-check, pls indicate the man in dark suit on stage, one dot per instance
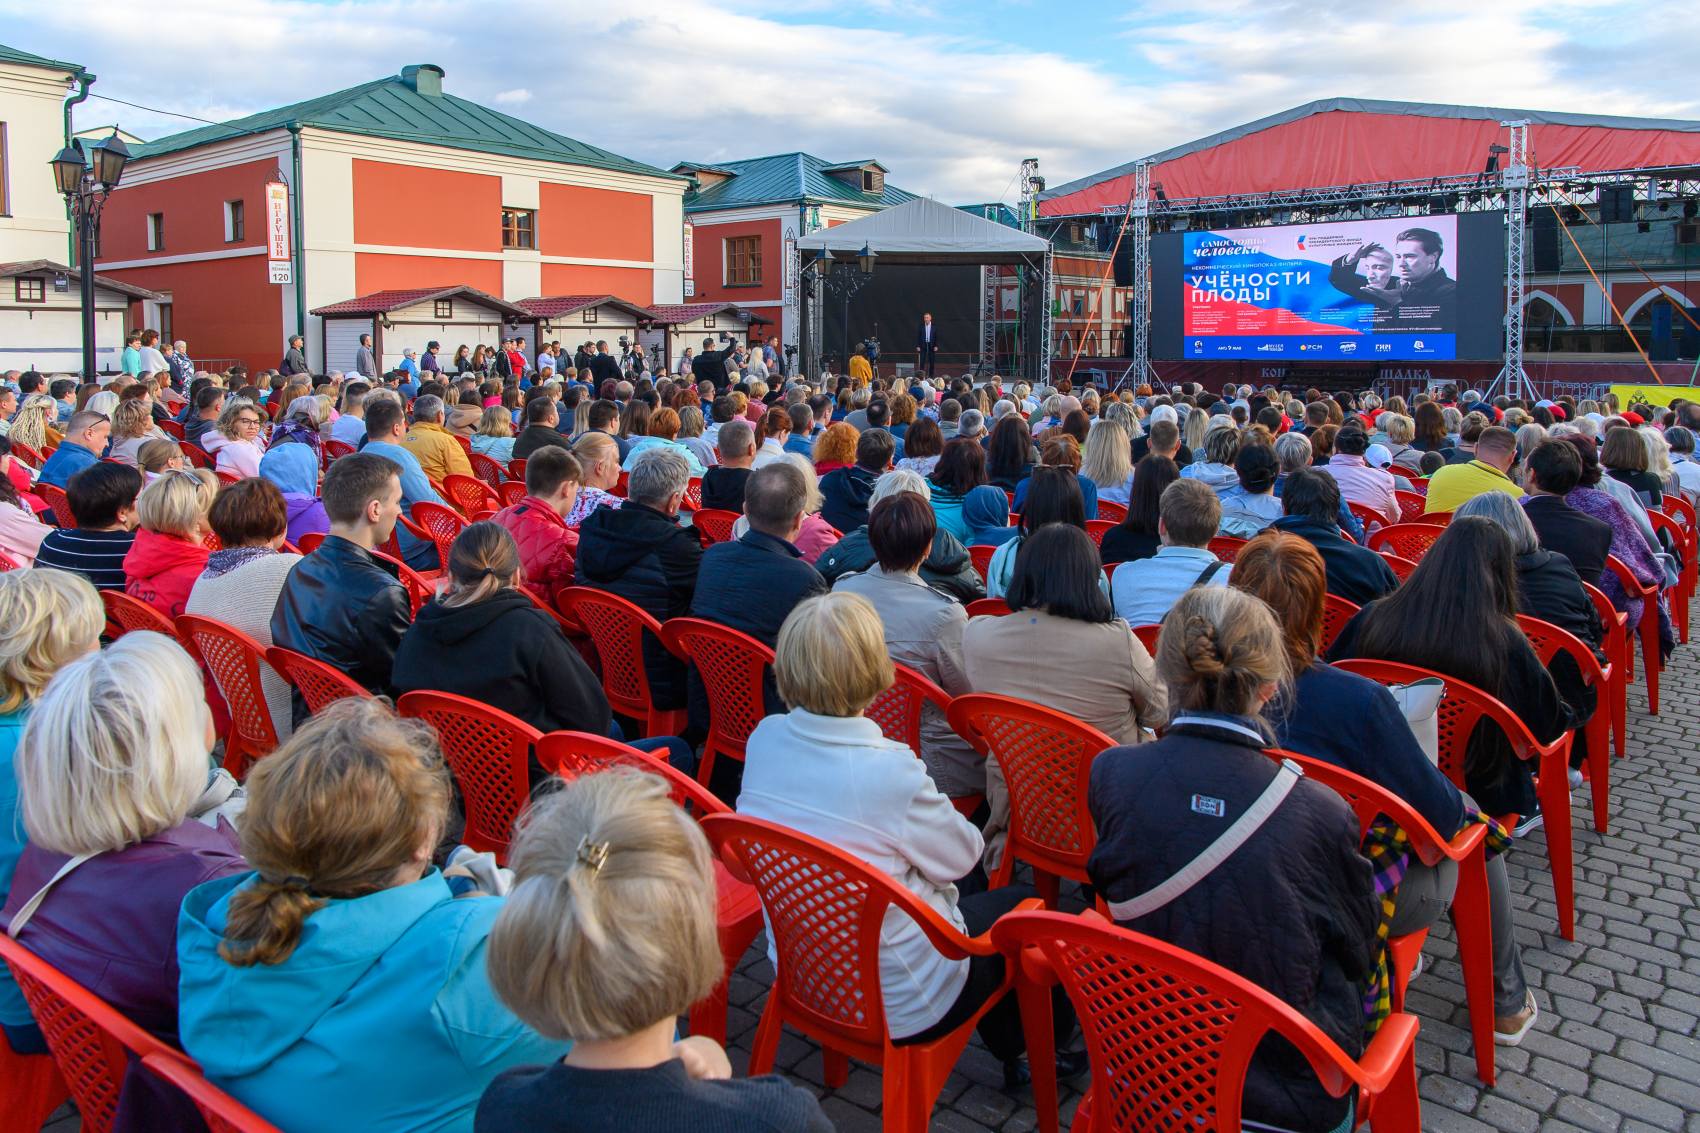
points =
(927, 345)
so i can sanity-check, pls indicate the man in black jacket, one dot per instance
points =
(603, 366)
(640, 552)
(1310, 499)
(710, 365)
(848, 490)
(1553, 469)
(723, 485)
(340, 605)
(541, 419)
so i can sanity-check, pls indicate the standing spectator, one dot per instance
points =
(182, 366)
(365, 360)
(130, 359)
(169, 551)
(294, 359)
(152, 360)
(103, 498)
(429, 364)
(1189, 514)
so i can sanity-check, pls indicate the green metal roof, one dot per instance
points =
(393, 108)
(13, 55)
(780, 179)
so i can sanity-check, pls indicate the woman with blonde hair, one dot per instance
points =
(495, 435)
(34, 423)
(157, 457)
(484, 638)
(132, 427)
(826, 770)
(344, 960)
(1401, 431)
(1108, 461)
(607, 937)
(234, 441)
(1222, 656)
(47, 618)
(691, 426)
(124, 818)
(170, 550)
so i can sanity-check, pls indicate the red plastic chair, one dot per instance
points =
(335, 449)
(470, 494)
(442, 524)
(234, 660)
(981, 556)
(569, 628)
(28, 455)
(200, 458)
(1371, 518)
(1407, 540)
(1096, 529)
(1648, 628)
(1148, 635)
(617, 628)
(489, 472)
(1411, 506)
(1419, 484)
(733, 666)
(1226, 547)
(489, 754)
(227, 477)
(124, 613)
(465, 443)
(1402, 567)
(31, 1088)
(899, 709)
(90, 1041)
(6, 563)
(171, 429)
(309, 542)
(714, 525)
(516, 469)
(693, 495)
(996, 607)
(1683, 590)
(512, 492)
(620, 485)
(319, 684)
(420, 589)
(1462, 708)
(1170, 1034)
(1046, 758)
(1616, 647)
(1111, 513)
(1471, 918)
(59, 503)
(1549, 641)
(1681, 513)
(825, 909)
(222, 1113)
(1336, 612)
(738, 914)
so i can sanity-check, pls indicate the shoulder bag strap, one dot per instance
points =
(1217, 852)
(1209, 572)
(29, 907)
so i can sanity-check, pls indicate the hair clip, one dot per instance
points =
(592, 854)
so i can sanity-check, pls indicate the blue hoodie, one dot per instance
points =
(294, 468)
(986, 512)
(382, 1019)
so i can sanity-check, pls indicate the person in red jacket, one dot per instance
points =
(170, 552)
(538, 524)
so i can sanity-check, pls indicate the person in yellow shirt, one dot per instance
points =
(433, 445)
(861, 370)
(1496, 452)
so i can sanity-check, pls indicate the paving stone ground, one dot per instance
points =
(1616, 1048)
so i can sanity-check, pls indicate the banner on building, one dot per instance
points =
(690, 259)
(1646, 393)
(277, 220)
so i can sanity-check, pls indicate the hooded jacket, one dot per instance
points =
(294, 468)
(645, 557)
(948, 566)
(381, 1020)
(546, 544)
(508, 654)
(846, 492)
(161, 570)
(1221, 478)
(985, 511)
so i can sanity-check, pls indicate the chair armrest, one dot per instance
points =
(1466, 842)
(1387, 1050)
(955, 946)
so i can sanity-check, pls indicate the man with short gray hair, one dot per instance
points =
(639, 552)
(436, 449)
(723, 485)
(972, 426)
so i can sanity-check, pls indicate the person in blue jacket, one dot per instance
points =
(342, 983)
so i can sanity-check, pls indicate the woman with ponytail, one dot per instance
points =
(1293, 908)
(342, 983)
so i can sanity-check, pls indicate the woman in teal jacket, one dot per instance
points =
(959, 471)
(342, 984)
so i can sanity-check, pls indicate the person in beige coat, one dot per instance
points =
(1062, 647)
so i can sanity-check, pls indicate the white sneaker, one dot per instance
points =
(1575, 778)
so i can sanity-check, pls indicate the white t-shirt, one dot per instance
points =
(152, 361)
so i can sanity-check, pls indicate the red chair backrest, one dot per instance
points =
(234, 659)
(319, 684)
(1148, 635)
(511, 492)
(715, 524)
(172, 429)
(616, 626)
(1336, 612)
(732, 666)
(1368, 800)
(981, 556)
(309, 542)
(1370, 517)
(222, 1113)
(489, 753)
(6, 563)
(420, 589)
(571, 754)
(465, 443)
(1549, 641)
(1401, 567)
(441, 524)
(488, 471)
(997, 607)
(621, 483)
(899, 709)
(1407, 540)
(124, 613)
(334, 449)
(199, 456)
(59, 502)
(1616, 623)
(693, 495)
(28, 455)
(1632, 586)
(470, 495)
(1169, 1033)
(516, 469)
(1226, 547)
(1046, 758)
(88, 1038)
(1111, 512)
(1096, 529)
(824, 908)
(1411, 506)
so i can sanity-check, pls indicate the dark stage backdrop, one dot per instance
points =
(889, 307)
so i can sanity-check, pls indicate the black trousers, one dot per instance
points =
(999, 1028)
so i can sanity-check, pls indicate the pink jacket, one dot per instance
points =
(1361, 484)
(21, 534)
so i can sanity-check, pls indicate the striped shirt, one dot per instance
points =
(96, 555)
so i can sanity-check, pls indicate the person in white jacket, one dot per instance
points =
(827, 771)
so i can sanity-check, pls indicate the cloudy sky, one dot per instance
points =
(948, 95)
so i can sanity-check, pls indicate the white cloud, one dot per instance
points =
(951, 114)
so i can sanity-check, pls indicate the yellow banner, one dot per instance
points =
(1649, 394)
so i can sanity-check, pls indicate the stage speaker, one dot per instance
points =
(1617, 204)
(1544, 238)
(1124, 265)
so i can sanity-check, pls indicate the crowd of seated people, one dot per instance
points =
(317, 940)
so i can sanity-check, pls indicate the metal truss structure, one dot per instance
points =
(1513, 380)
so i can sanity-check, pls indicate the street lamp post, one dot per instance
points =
(843, 278)
(85, 185)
